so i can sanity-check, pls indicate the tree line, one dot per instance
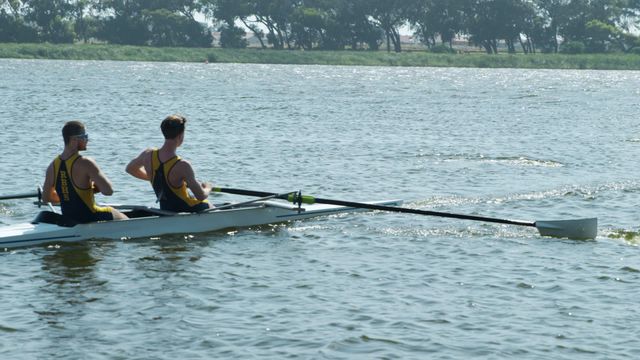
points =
(528, 26)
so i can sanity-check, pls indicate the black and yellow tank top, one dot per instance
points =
(171, 198)
(76, 203)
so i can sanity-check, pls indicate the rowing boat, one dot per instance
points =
(50, 227)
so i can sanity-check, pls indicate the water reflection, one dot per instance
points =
(70, 282)
(170, 254)
(70, 263)
(70, 292)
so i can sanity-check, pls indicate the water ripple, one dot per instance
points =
(481, 158)
(494, 142)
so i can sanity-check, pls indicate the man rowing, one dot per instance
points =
(170, 175)
(72, 180)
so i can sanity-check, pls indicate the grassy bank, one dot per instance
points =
(378, 58)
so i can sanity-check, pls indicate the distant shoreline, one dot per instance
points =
(354, 58)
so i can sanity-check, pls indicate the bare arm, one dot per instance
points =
(97, 176)
(136, 167)
(200, 190)
(49, 193)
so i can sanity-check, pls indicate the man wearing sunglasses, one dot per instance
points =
(169, 175)
(72, 180)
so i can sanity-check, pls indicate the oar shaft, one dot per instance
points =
(310, 200)
(422, 212)
(19, 196)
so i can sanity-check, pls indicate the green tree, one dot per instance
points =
(389, 15)
(493, 20)
(171, 28)
(11, 7)
(12, 25)
(600, 35)
(51, 19)
(308, 26)
(272, 15)
(85, 23)
(353, 19)
(433, 18)
(275, 16)
(153, 22)
(582, 12)
(630, 43)
(228, 11)
(553, 17)
(123, 23)
(483, 25)
(336, 24)
(232, 37)
(540, 35)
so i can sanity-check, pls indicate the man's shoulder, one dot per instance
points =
(183, 165)
(147, 152)
(86, 162)
(183, 162)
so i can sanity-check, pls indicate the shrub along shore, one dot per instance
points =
(364, 58)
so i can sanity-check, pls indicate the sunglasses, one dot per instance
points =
(84, 137)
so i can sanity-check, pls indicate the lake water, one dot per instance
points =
(506, 143)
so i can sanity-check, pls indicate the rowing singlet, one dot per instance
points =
(171, 198)
(76, 203)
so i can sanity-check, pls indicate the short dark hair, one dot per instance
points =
(172, 126)
(72, 128)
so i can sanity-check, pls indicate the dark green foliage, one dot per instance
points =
(14, 29)
(232, 37)
(124, 30)
(50, 19)
(599, 36)
(167, 28)
(573, 47)
(442, 49)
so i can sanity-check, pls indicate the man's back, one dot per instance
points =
(170, 175)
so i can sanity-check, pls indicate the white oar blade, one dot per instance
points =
(579, 229)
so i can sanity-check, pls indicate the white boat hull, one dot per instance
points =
(267, 212)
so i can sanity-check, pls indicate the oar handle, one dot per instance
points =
(306, 199)
(244, 192)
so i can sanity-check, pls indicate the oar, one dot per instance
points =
(578, 229)
(22, 196)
